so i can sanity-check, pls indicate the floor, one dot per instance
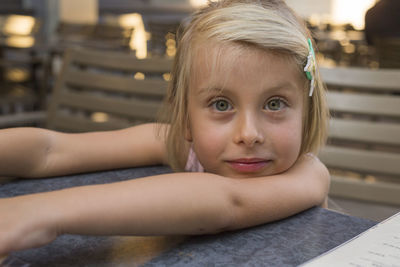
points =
(366, 210)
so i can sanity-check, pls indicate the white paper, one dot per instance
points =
(379, 246)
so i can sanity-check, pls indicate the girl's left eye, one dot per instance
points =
(275, 104)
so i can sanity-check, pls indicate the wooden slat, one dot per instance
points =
(386, 105)
(362, 78)
(104, 82)
(373, 132)
(122, 62)
(370, 106)
(387, 193)
(123, 107)
(369, 161)
(22, 119)
(115, 83)
(77, 124)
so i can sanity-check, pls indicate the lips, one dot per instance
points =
(248, 165)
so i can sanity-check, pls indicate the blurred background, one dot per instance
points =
(35, 33)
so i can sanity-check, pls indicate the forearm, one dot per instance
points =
(189, 203)
(177, 203)
(23, 151)
(160, 205)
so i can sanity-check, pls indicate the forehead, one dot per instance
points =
(216, 64)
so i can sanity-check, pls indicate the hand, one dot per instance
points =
(24, 224)
(323, 178)
(316, 175)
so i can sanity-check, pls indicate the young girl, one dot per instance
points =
(245, 109)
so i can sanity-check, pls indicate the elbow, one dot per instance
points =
(44, 144)
(230, 220)
(225, 214)
(234, 206)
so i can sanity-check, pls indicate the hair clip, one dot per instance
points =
(310, 66)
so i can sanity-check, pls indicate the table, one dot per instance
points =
(288, 242)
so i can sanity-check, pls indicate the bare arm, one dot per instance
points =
(197, 203)
(22, 150)
(33, 152)
(182, 203)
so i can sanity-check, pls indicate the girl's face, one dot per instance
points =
(245, 111)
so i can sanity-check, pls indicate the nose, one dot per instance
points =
(248, 130)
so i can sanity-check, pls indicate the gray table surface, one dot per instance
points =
(288, 242)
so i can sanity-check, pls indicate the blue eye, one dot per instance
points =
(221, 105)
(275, 104)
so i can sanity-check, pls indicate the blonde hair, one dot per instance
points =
(269, 25)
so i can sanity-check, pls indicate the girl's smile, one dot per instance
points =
(248, 165)
(245, 110)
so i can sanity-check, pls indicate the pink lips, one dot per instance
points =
(248, 164)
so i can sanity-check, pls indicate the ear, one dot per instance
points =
(188, 133)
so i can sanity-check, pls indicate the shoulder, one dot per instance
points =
(192, 162)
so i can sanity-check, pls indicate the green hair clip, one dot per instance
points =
(310, 67)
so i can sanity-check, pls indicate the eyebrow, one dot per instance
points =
(289, 86)
(210, 89)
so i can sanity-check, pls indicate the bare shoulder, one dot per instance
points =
(135, 146)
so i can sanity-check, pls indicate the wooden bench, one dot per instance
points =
(97, 36)
(101, 90)
(388, 52)
(363, 150)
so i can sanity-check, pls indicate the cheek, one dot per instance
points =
(294, 134)
(208, 138)
(287, 143)
(209, 143)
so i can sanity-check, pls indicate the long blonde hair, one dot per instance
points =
(266, 24)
